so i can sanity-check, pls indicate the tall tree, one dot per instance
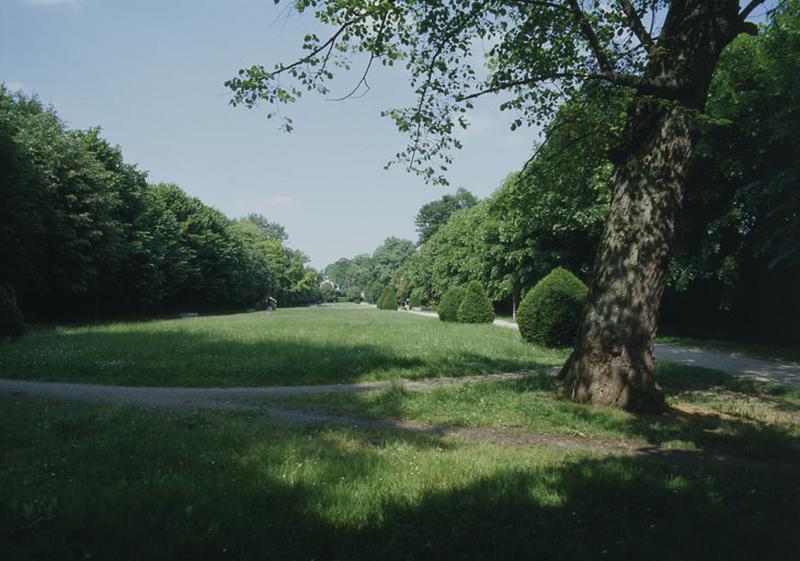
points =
(665, 52)
(435, 214)
(270, 230)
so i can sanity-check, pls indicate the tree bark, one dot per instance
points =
(613, 362)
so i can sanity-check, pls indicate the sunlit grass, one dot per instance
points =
(292, 346)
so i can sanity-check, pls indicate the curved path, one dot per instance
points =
(235, 399)
(774, 371)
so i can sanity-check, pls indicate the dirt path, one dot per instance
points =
(775, 371)
(262, 400)
(242, 398)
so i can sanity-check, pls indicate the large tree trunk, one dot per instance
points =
(613, 362)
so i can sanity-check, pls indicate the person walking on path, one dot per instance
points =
(271, 303)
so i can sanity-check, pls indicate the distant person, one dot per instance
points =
(271, 303)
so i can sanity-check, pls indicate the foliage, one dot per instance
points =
(269, 230)
(475, 306)
(388, 300)
(354, 294)
(551, 311)
(734, 270)
(374, 271)
(327, 292)
(450, 302)
(11, 322)
(375, 292)
(416, 298)
(434, 215)
(85, 236)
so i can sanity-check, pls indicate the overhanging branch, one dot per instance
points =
(642, 85)
(749, 9)
(635, 23)
(591, 36)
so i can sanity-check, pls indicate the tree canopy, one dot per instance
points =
(435, 214)
(84, 235)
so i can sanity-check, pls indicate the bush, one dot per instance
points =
(388, 300)
(418, 297)
(354, 294)
(448, 307)
(11, 323)
(475, 307)
(551, 311)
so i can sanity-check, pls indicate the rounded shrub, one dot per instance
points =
(448, 306)
(475, 307)
(388, 300)
(11, 323)
(550, 313)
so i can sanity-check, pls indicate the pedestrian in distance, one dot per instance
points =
(271, 303)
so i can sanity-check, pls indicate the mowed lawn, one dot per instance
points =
(717, 477)
(97, 482)
(292, 346)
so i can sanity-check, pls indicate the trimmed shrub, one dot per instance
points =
(415, 301)
(475, 307)
(550, 313)
(388, 300)
(11, 323)
(448, 307)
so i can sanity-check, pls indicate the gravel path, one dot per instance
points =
(261, 400)
(236, 399)
(775, 371)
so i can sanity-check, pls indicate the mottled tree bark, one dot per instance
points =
(613, 362)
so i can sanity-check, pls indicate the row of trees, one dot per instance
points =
(737, 256)
(370, 274)
(82, 233)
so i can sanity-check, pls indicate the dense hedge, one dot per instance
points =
(551, 311)
(448, 307)
(415, 301)
(388, 300)
(11, 323)
(475, 307)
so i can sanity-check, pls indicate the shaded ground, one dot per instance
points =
(774, 371)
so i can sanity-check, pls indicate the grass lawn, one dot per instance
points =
(722, 480)
(292, 346)
(757, 350)
(98, 482)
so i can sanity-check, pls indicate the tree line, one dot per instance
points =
(734, 267)
(83, 235)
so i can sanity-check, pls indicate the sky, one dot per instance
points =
(151, 74)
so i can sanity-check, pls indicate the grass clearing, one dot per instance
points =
(87, 482)
(292, 347)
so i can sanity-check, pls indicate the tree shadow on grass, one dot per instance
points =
(203, 359)
(219, 487)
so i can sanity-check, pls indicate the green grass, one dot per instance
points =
(756, 350)
(92, 482)
(101, 482)
(709, 408)
(292, 346)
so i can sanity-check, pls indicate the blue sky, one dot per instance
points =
(151, 74)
